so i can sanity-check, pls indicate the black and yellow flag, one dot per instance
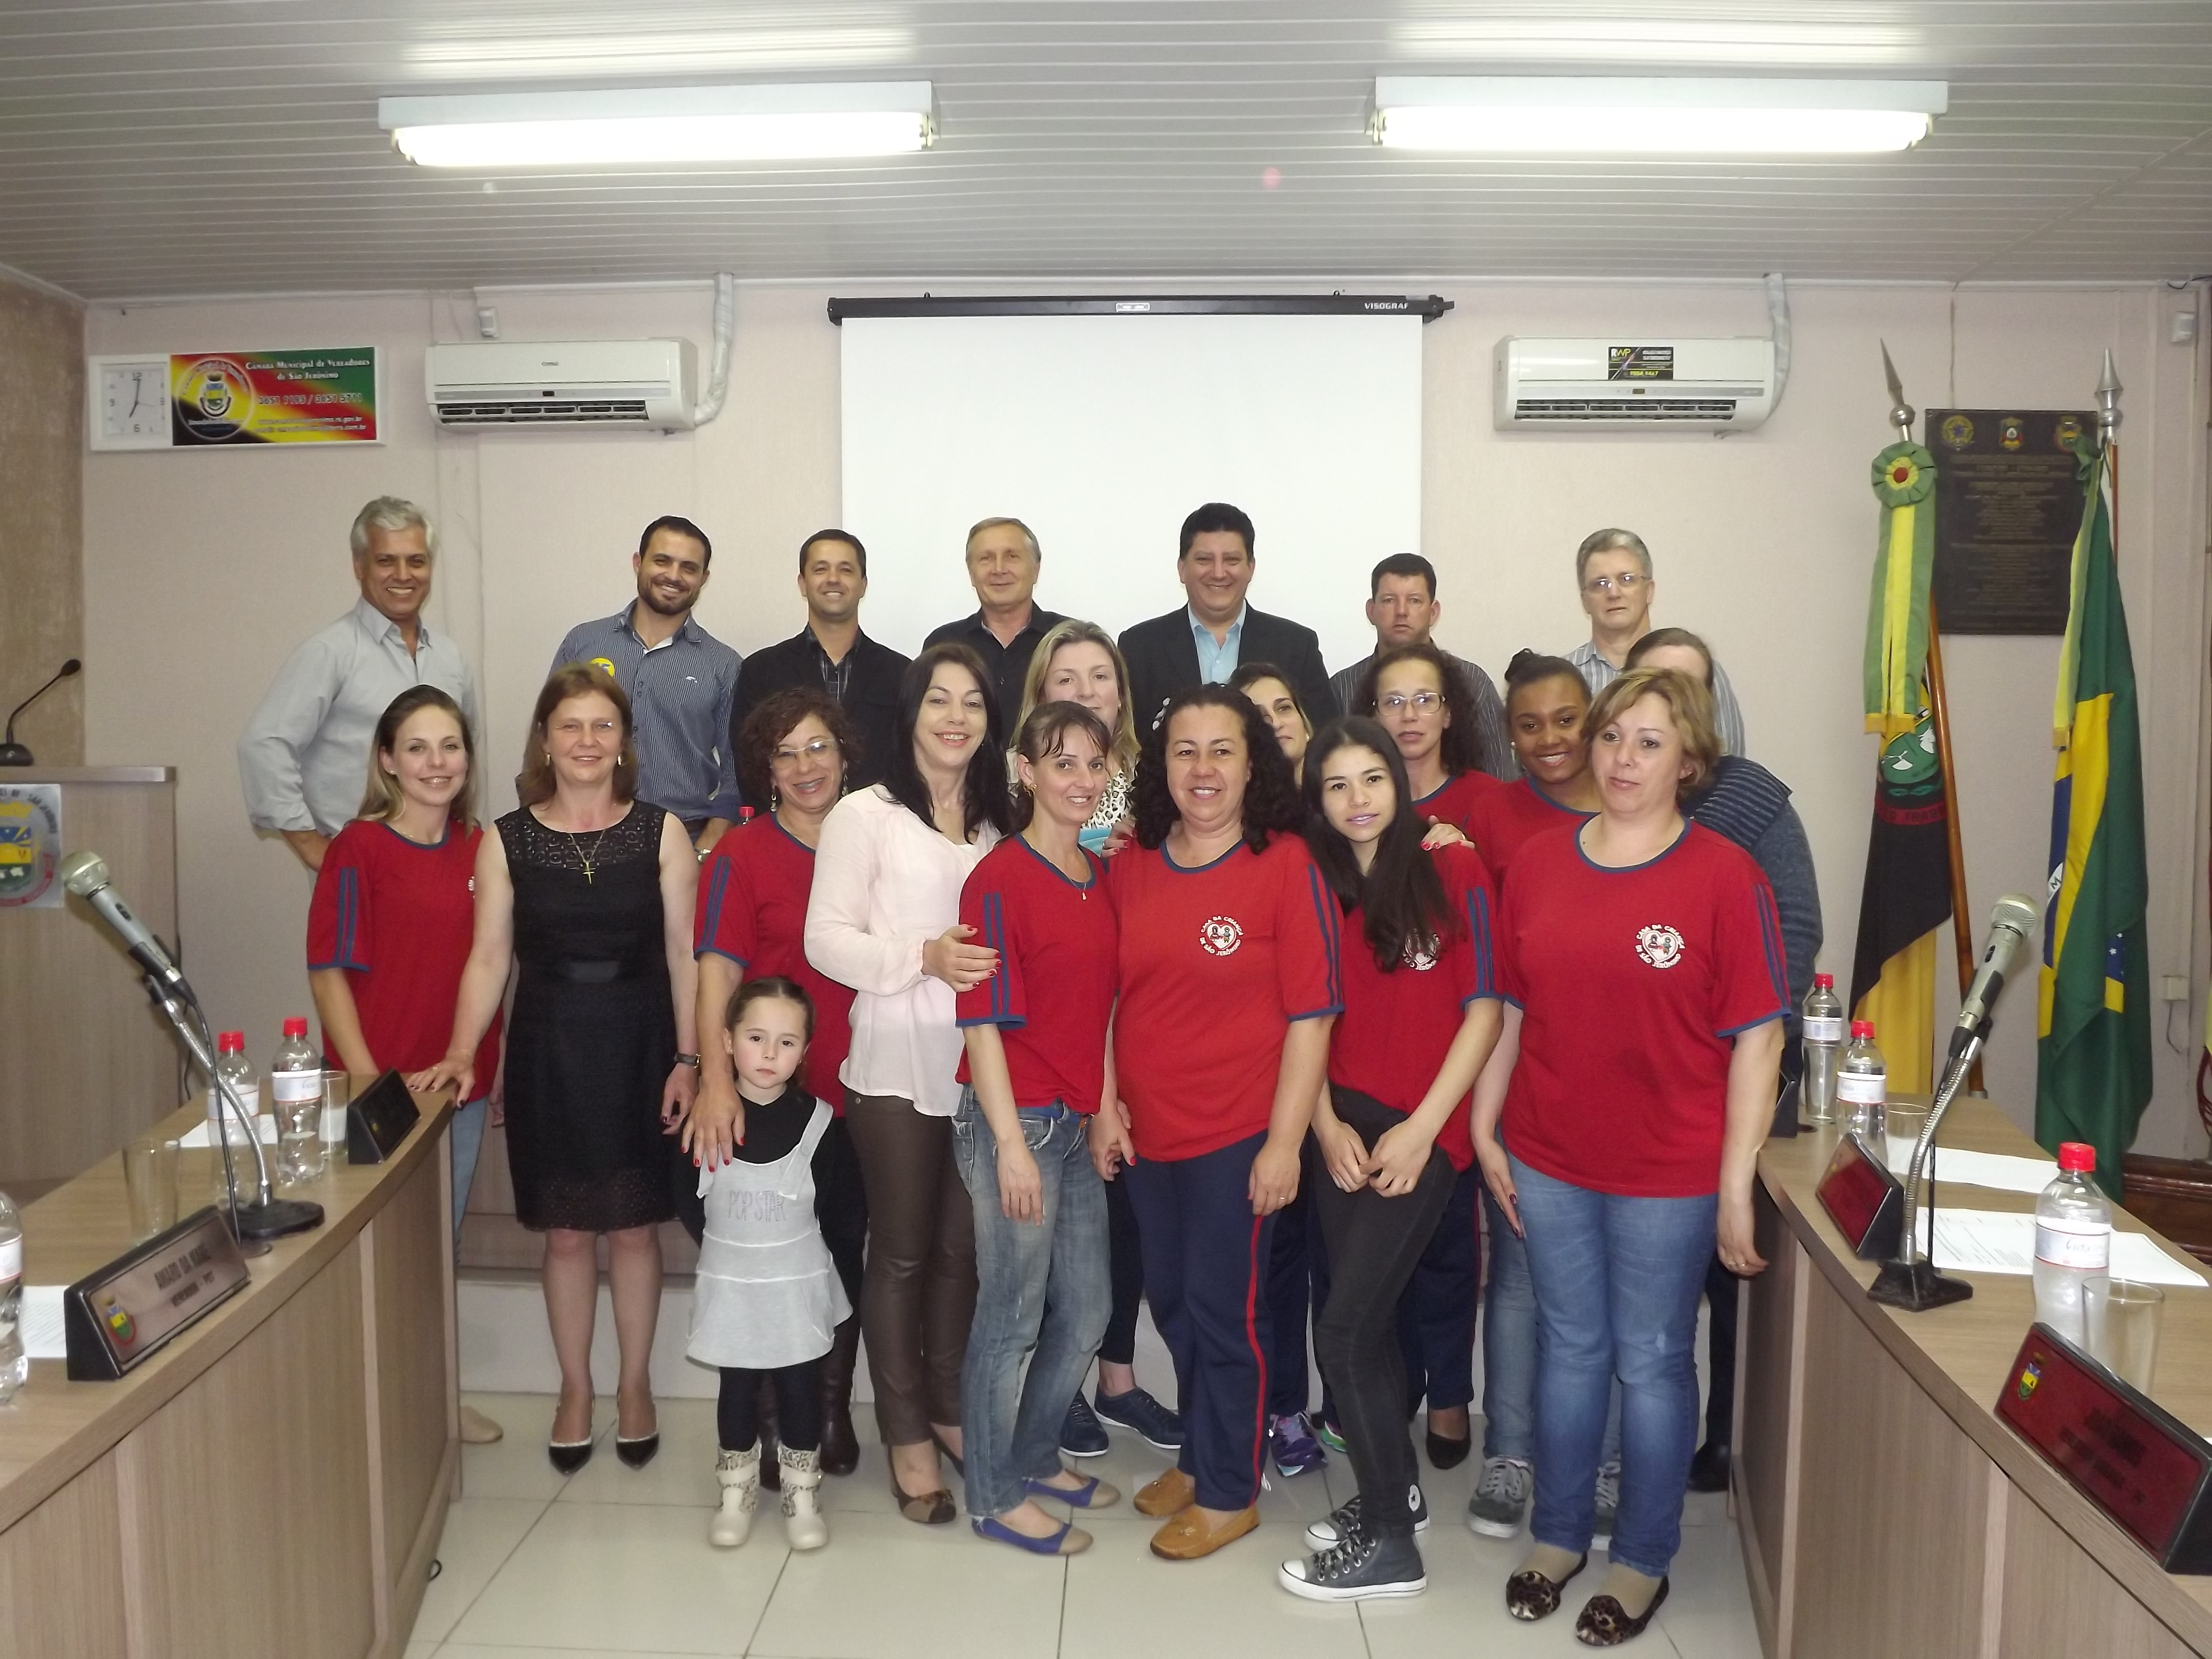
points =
(1907, 896)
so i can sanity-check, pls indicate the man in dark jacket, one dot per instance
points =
(831, 654)
(1204, 641)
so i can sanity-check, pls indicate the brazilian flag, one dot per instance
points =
(2092, 1053)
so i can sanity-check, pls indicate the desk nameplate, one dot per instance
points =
(1864, 1200)
(377, 1122)
(118, 1316)
(2127, 1454)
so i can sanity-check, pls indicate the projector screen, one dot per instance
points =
(1102, 432)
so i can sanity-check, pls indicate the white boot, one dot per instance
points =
(739, 1474)
(802, 1525)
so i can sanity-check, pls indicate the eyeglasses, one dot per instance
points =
(1421, 703)
(820, 749)
(1627, 582)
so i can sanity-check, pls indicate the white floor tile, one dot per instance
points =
(682, 1473)
(452, 1651)
(1708, 1612)
(421, 1650)
(628, 1578)
(516, 1466)
(886, 1588)
(480, 1534)
(1122, 1600)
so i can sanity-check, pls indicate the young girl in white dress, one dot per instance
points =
(768, 1300)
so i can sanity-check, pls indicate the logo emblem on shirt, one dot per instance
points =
(605, 664)
(1221, 935)
(1660, 946)
(1416, 959)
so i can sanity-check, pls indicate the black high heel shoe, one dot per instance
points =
(568, 1455)
(639, 1452)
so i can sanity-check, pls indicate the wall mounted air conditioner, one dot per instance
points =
(1627, 383)
(642, 385)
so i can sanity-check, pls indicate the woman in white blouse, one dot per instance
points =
(884, 918)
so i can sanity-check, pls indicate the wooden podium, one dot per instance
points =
(85, 1062)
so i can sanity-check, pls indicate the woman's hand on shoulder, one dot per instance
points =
(1121, 836)
(950, 958)
(1444, 834)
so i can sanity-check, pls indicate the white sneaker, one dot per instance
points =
(803, 1529)
(739, 1472)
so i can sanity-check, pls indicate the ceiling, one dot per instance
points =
(231, 146)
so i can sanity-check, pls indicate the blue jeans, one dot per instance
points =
(1042, 1292)
(466, 1133)
(1509, 1350)
(1617, 1282)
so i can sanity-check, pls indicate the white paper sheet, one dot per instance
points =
(1983, 1241)
(1992, 1169)
(198, 1135)
(41, 1316)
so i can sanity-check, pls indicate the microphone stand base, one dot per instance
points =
(1917, 1286)
(13, 754)
(277, 1218)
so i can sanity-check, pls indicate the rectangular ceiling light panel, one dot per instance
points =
(1535, 115)
(667, 125)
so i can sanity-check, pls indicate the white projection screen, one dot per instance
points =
(1102, 432)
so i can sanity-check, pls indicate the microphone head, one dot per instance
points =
(84, 873)
(2016, 911)
(74, 665)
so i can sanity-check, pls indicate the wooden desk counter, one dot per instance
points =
(274, 1481)
(1883, 1507)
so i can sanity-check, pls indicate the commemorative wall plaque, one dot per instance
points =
(2007, 507)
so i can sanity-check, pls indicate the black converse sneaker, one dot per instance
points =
(1361, 1568)
(1342, 1521)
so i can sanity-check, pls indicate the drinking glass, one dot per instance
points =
(2123, 1328)
(1901, 1128)
(150, 1180)
(337, 1092)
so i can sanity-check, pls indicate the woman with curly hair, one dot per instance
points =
(1228, 987)
(794, 753)
(1425, 702)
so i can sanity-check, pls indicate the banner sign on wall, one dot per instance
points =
(209, 399)
(30, 845)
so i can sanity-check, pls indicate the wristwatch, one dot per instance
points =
(692, 1060)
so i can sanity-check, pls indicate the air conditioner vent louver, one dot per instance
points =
(546, 411)
(1631, 383)
(649, 385)
(1642, 408)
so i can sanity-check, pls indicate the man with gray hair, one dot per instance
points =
(1003, 561)
(1612, 569)
(303, 759)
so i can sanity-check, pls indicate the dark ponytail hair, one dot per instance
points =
(1529, 667)
(1402, 900)
(768, 985)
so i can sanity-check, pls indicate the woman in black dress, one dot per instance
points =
(588, 890)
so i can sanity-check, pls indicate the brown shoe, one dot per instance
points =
(1168, 1494)
(476, 1429)
(1188, 1535)
(840, 1450)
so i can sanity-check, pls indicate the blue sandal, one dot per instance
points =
(1088, 1496)
(1068, 1540)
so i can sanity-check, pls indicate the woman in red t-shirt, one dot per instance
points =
(389, 928)
(1420, 1016)
(1644, 955)
(1547, 701)
(1228, 986)
(1422, 698)
(793, 754)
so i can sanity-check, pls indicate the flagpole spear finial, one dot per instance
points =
(2108, 400)
(1901, 414)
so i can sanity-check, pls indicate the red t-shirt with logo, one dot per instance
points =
(1052, 994)
(1215, 962)
(1396, 1027)
(399, 917)
(1457, 799)
(1506, 817)
(1631, 983)
(752, 908)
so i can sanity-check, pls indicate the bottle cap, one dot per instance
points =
(230, 1043)
(1825, 982)
(1862, 1028)
(2075, 1155)
(296, 1027)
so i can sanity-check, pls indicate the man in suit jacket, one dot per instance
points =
(831, 654)
(1204, 641)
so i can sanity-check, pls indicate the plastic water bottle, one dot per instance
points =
(1824, 1035)
(15, 1363)
(233, 1067)
(295, 1078)
(2073, 1243)
(1862, 1089)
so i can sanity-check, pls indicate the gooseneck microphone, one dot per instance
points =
(86, 875)
(2011, 921)
(13, 753)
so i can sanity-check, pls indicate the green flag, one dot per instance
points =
(2092, 1053)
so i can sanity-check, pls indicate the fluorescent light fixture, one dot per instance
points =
(1535, 115)
(768, 123)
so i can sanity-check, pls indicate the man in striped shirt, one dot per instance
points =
(679, 678)
(1612, 569)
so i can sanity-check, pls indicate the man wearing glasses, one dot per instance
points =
(1614, 570)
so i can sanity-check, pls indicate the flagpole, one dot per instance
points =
(1939, 713)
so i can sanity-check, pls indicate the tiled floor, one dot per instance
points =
(614, 1561)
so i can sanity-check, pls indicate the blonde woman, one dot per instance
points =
(1077, 662)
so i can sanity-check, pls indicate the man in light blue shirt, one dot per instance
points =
(303, 759)
(679, 679)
